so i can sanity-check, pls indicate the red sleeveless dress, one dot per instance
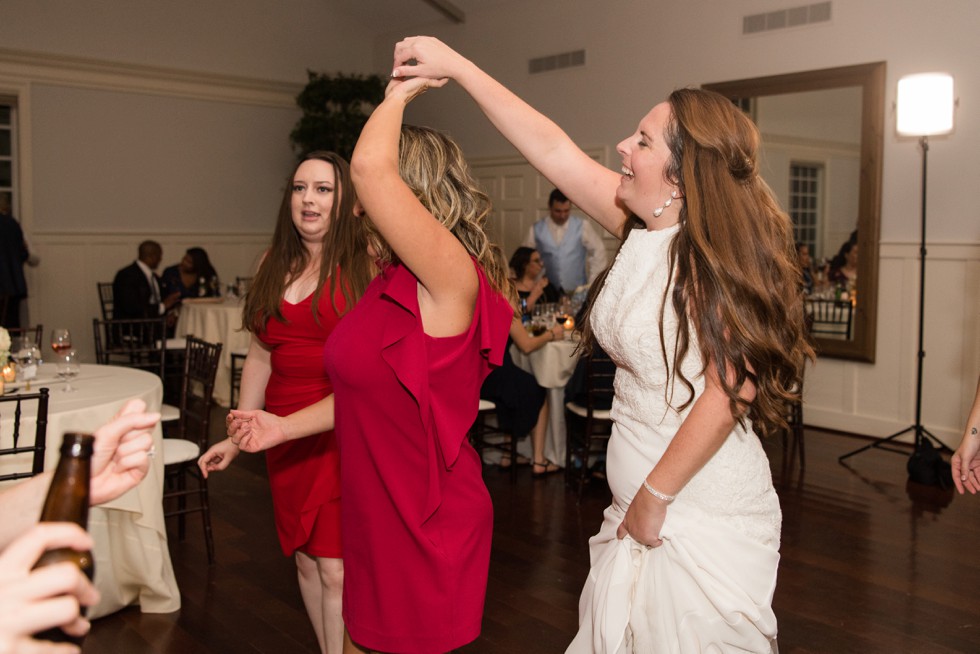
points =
(304, 474)
(417, 517)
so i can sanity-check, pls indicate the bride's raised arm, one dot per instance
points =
(544, 144)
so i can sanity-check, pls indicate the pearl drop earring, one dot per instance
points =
(660, 210)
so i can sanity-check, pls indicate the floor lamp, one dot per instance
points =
(924, 108)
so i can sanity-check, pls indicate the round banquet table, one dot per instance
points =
(132, 562)
(552, 367)
(216, 320)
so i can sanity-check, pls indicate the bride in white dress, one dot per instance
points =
(702, 313)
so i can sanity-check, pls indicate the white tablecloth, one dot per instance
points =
(132, 563)
(216, 320)
(552, 367)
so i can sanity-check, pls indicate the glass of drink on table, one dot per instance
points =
(60, 340)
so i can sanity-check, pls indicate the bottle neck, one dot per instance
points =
(68, 496)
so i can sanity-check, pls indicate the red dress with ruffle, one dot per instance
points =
(304, 474)
(416, 517)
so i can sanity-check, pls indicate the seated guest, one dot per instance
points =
(844, 270)
(136, 290)
(530, 283)
(194, 276)
(806, 266)
(522, 405)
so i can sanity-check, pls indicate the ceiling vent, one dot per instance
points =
(556, 61)
(792, 17)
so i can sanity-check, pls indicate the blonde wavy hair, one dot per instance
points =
(433, 166)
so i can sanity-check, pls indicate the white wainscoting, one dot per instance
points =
(874, 399)
(62, 289)
(879, 399)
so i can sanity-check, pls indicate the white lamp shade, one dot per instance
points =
(925, 104)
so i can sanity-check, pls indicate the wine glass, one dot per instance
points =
(60, 340)
(26, 355)
(67, 368)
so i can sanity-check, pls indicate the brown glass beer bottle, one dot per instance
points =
(68, 501)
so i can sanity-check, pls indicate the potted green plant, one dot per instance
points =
(335, 108)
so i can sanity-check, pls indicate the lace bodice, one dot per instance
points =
(735, 486)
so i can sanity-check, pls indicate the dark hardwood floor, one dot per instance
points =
(869, 564)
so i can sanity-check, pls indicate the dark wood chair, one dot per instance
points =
(237, 364)
(792, 434)
(140, 343)
(132, 342)
(15, 447)
(830, 318)
(35, 333)
(105, 299)
(485, 435)
(587, 419)
(181, 452)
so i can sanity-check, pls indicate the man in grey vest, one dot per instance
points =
(572, 251)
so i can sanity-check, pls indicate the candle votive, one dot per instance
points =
(9, 373)
(569, 324)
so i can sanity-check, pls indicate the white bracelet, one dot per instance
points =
(663, 497)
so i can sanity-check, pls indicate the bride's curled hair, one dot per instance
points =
(736, 280)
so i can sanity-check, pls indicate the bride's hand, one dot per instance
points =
(644, 519)
(425, 56)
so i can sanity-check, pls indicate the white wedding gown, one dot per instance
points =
(709, 587)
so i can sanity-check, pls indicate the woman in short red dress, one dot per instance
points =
(314, 271)
(407, 364)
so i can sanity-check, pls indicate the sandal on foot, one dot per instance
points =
(544, 468)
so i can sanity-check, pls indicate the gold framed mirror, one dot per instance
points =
(823, 139)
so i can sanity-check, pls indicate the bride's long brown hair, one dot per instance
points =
(733, 261)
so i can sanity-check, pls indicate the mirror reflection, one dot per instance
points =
(811, 158)
(822, 142)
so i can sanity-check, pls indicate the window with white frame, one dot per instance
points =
(805, 206)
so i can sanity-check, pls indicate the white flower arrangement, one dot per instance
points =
(4, 346)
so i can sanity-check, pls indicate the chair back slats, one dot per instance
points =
(39, 445)
(830, 318)
(200, 367)
(105, 299)
(133, 343)
(587, 416)
(201, 361)
(600, 372)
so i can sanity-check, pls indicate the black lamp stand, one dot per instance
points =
(921, 433)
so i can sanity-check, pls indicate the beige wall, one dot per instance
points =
(636, 56)
(208, 87)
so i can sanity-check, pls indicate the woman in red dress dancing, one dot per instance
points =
(407, 364)
(315, 270)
